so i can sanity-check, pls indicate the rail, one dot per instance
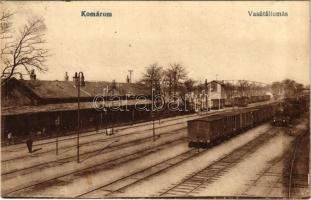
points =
(292, 162)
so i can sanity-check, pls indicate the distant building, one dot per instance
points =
(216, 94)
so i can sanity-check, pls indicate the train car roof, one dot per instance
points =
(233, 112)
(248, 110)
(209, 118)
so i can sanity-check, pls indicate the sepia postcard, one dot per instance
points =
(155, 99)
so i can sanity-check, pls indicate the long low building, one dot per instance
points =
(46, 108)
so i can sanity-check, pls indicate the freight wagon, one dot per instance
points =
(211, 130)
(241, 101)
(237, 101)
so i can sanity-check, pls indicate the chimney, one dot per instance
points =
(66, 77)
(33, 76)
(74, 79)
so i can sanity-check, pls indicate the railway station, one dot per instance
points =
(151, 99)
(218, 137)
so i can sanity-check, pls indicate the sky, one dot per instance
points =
(208, 38)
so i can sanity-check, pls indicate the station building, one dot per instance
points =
(45, 108)
(216, 94)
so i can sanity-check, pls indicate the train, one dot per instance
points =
(208, 131)
(243, 101)
(288, 110)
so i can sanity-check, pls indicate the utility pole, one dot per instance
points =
(152, 113)
(105, 93)
(206, 97)
(131, 71)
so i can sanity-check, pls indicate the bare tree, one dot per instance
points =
(292, 88)
(276, 88)
(26, 52)
(242, 87)
(5, 28)
(299, 88)
(152, 77)
(175, 74)
(189, 85)
(230, 90)
(5, 24)
(289, 88)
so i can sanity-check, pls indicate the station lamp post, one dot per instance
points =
(78, 82)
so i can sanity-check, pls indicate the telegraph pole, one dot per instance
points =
(152, 113)
(130, 71)
(206, 97)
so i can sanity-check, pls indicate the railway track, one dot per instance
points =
(298, 180)
(65, 149)
(293, 157)
(138, 176)
(88, 170)
(273, 170)
(118, 186)
(132, 179)
(91, 142)
(26, 171)
(95, 152)
(280, 178)
(59, 162)
(191, 184)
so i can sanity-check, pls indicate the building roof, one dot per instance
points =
(62, 95)
(18, 110)
(66, 89)
(215, 81)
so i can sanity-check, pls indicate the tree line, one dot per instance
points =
(174, 80)
(287, 87)
(170, 80)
